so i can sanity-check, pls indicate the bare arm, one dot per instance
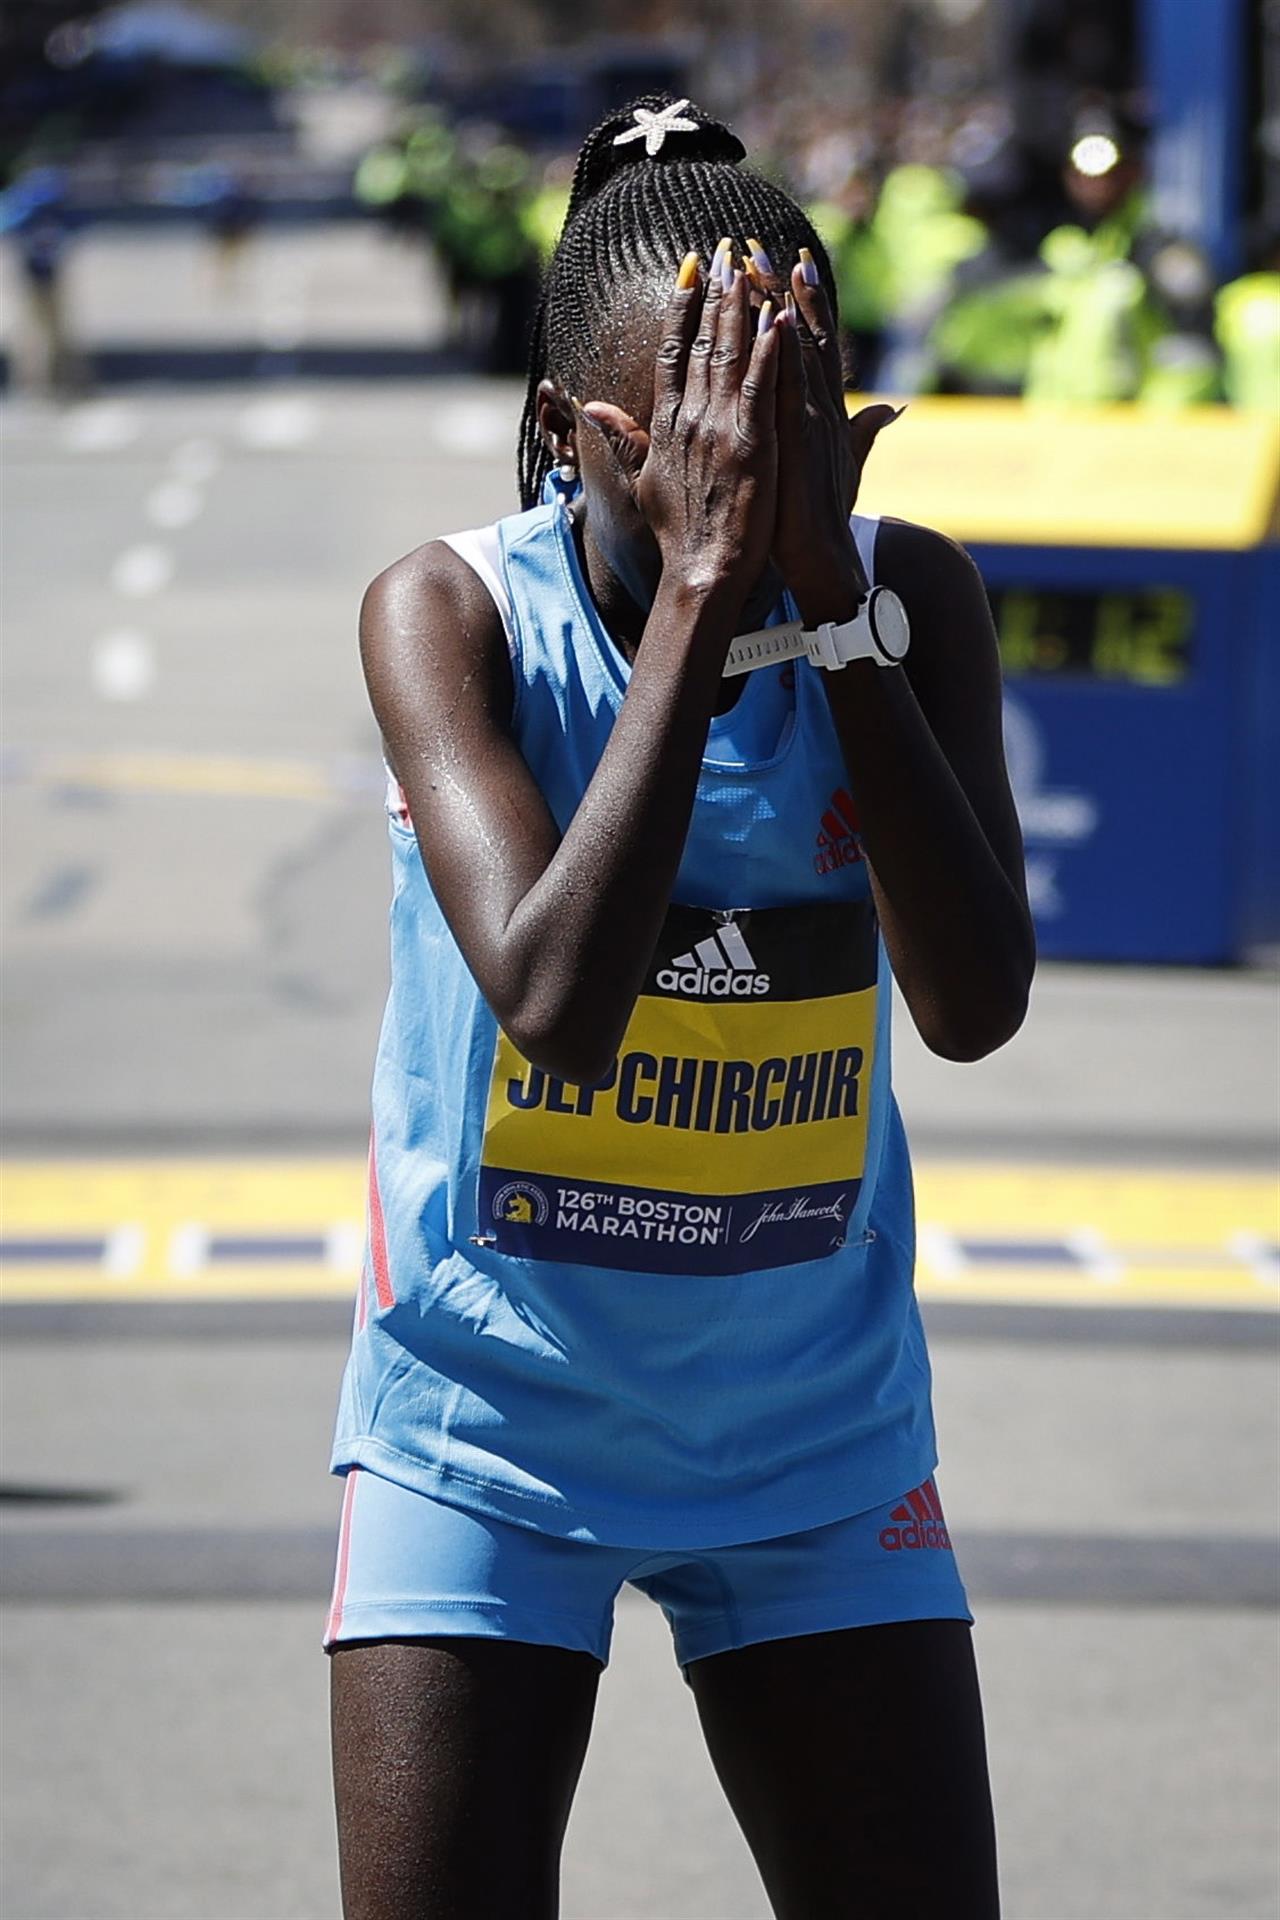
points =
(925, 756)
(922, 744)
(559, 932)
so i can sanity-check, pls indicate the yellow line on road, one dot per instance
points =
(218, 775)
(285, 1228)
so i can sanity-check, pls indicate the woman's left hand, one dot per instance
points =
(821, 455)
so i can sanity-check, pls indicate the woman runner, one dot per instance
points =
(637, 1304)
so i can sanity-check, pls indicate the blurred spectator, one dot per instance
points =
(483, 237)
(475, 199)
(37, 215)
(1247, 315)
(544, 215)
(231, 214)
(894, 270)
(1126, 310)
(979, 247)
(1107, 309)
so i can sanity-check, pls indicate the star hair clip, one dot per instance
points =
(653, 128)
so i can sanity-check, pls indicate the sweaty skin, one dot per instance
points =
(722, 466)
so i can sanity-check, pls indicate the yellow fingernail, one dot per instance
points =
(808, 267)
(753, 272)
(688, 274)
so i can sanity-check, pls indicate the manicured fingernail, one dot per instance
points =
(808, 268)
(688, 274)
(760, 259)
(727, 271)
(766, 319)
(791, 308)
(754, 274)
(717, 258)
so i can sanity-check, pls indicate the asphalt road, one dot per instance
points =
(195, 889)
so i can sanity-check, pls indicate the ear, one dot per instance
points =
(556, 422)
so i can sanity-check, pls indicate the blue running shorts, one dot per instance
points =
(410, 1564)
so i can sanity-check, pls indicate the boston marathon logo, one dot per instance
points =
(521, 1204)
(721, 965)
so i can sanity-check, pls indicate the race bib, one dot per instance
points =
(730, 1133)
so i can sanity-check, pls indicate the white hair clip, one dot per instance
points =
(653, 128)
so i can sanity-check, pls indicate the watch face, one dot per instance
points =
(890, 628)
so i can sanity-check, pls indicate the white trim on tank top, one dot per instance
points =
(480, 548)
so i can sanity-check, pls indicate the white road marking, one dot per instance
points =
(101, 426)
(478, 428)
(272, 425)
(1259, 1254)
(173, 504)
(143, 570)
(344, 1246)
(942, 1251)
(195, 461)
(1094, 1254)
(124, 1250)
(188, 1249)
(123, 665)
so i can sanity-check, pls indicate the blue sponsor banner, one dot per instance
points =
(541, 1217)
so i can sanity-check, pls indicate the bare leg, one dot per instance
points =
(856, 1765)
(455, 1762)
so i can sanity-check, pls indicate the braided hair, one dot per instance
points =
(631, 219)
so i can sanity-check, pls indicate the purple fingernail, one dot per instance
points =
(808, 267)
(791, 308)
(727, 271)
(760, 258)
(766, 319)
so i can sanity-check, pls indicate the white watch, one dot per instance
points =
(879, 631)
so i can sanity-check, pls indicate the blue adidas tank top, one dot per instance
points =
(674, 1309)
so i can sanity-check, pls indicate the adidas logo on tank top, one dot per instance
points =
(721, 965)
(919, 1523)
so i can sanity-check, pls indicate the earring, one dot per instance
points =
(567, 470)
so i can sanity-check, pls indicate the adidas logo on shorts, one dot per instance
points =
(920, 1523)
(721, 965)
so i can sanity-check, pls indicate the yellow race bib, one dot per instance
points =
(730, 1134)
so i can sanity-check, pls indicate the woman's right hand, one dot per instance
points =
(705, 475)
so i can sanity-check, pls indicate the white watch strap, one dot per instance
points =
(829, 640)
(828, 645)
(879, 631)
(767, 646)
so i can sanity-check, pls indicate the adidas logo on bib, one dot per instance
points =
(721, 965)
